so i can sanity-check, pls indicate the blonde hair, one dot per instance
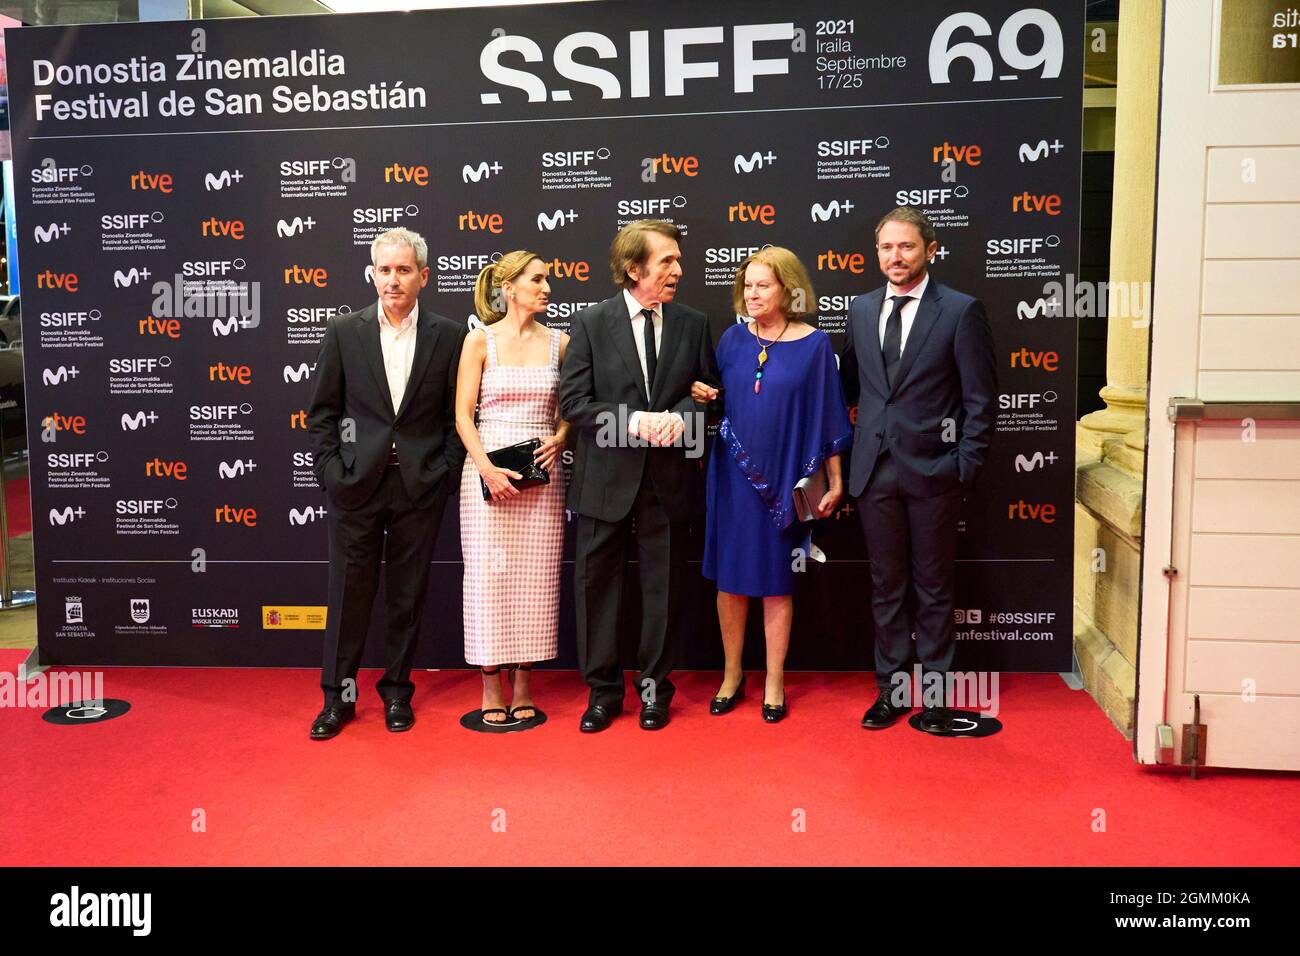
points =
(630, 247)
(790, 273)
(488, 302)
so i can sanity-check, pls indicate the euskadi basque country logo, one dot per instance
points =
(221, 617)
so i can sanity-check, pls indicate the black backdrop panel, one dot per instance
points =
(244, 166)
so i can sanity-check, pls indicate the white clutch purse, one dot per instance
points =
(808, 493)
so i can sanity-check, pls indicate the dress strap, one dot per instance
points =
(491, 347)
(555, 347)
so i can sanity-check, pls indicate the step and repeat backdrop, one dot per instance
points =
(196, 200)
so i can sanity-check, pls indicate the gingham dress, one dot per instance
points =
(512, 548)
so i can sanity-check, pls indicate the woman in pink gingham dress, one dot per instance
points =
(508, 392)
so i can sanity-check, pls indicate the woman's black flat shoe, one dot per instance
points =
(721, 705)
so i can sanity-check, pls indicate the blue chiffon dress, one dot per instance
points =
(766, 443)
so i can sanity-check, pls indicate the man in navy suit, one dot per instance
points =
(918, 360)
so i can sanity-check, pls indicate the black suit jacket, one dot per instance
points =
(602, 385)
(351, 384)
(947, 372)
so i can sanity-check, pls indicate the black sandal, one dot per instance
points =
(533, 707)
(486, 672)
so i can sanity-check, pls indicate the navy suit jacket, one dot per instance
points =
(947, 374)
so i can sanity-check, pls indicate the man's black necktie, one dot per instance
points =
(650, 358)
(892, 347)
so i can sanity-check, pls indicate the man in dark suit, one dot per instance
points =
(626, 393)
(918, 360)
(383, 433)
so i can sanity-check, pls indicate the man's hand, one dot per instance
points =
(671, 429)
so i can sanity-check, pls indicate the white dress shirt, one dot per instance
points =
(398, 347)
(909, 309)
(634, 311)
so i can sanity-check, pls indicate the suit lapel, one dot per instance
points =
(620, 328)
(927, 314)
(871, 340)
(426, 335)
(374, 353)
(669, 339)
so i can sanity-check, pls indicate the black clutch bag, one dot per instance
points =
(518, 458)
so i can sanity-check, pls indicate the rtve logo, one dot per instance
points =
(298, 419)
(221, 372)
(472, 221)
(652, 166)
(1032, 202)
(556, 220)
(230, 515)
(170, 328)
(480, 172)
(747, 164)
(306, 275)
(579, 269)
(215, 228)
(1028, 511)
(1048, 361)
(236, 468)
(55, 230)
(834, 208)
(763, 212)
(59, 375)
(59, 422)
(49, 279)
(66, 515)
(299, 374)
(166, 469)
(50, 172)
(970, 155)
(1032, 154)
(415, 175)
(152, 182)
(221, 180)
(138, 420)
(832, 261)
(130, 277)
(286, 228)
(305, 515)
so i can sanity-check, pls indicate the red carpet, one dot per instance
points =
(20, 506)
(705, 790)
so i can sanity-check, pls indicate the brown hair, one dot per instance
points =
(797, 299)
(488, 301)
(912, 215)
(630, 247)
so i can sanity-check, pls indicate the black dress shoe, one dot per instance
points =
(774, 713)
(330, 721)
(398, 716)
(882, 713)
(654, 717)
(936, 720)
(721, 705)
(597, 717)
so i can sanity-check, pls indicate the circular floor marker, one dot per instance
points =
(965, 723)
(86, 712)
(474, 721)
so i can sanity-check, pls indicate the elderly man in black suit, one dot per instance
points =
(626, 393)
(918, 359)
(382, 425)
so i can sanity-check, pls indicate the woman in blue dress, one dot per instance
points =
(785, 418)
